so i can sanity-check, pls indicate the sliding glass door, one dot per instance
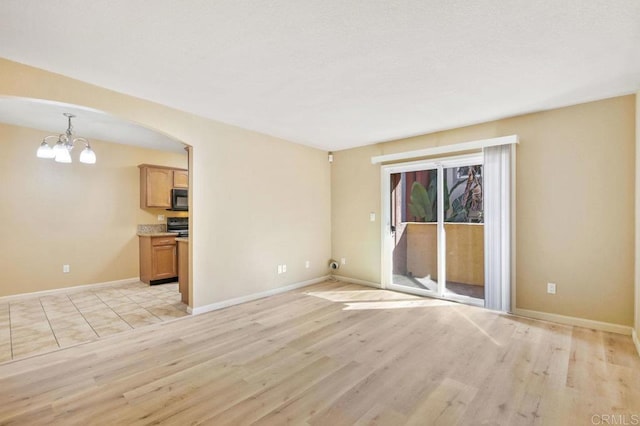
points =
(414, 229)
(434, 239)
(464, 231)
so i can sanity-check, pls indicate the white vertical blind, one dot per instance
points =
(498, 181)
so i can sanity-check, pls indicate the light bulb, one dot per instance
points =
(88, 156)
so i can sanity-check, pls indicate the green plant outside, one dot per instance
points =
(423, 201)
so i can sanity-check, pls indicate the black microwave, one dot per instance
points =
(179, 199)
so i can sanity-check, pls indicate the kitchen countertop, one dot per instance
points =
(155, 230)
(157, 234)
(182, 239)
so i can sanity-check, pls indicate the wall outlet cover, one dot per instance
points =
(551, 288)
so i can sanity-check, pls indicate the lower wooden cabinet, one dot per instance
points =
(158, 258)
(183, 270)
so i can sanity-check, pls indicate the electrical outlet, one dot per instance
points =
(160, 218)
(279, 269)
(66, 269)
(284, 268)
(307, 264)
(343, 260)
(551, 288)
(372, 217)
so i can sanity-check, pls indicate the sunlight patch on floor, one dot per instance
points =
(360, 300)
(480, 329)
(361, 295)
(398, 304)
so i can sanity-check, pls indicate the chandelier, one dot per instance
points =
(61, 151)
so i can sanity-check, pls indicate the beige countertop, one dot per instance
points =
(157, 234)
(182, 239)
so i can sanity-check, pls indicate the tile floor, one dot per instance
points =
(34, 325)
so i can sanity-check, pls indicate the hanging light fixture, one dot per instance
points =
(61, 151)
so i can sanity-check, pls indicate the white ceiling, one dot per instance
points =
(87, 123)
(337, 74)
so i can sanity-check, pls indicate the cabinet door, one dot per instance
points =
(164, 262)
(159, 184)
(183, 271)
(180, 179)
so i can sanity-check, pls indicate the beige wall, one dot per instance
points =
(258, 201)
(575, 206)
(76, 214)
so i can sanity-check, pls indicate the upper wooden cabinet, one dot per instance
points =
(155, 187)
(156, 183)
(180, 178)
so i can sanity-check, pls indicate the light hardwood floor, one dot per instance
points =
(332, 354)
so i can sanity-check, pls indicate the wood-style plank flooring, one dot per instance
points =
(331, 354)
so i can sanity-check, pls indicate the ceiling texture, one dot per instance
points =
(336, 74)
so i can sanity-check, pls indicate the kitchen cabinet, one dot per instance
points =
(183, 269)
(158, 259)
(156, 183)
(180, 178)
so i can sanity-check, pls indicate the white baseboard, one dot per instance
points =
(580, 322)
(250, 297)
(67, 289)
(636, 341)
(357, 281)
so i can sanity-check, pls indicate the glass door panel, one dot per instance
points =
(464, 231)
(414, 230)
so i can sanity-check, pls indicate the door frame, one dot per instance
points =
(385, 223)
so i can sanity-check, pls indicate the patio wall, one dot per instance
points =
(465, 251)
